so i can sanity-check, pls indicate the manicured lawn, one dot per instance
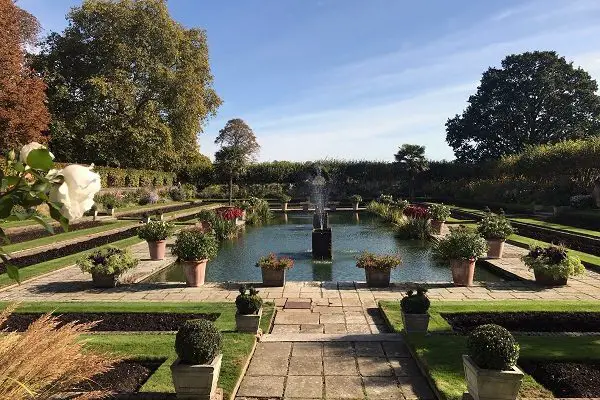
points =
(441, 353)
(559, 227)
(65, 236)
(148, 206)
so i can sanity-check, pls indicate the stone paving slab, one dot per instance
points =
(342, 337)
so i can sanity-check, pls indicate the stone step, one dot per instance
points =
(332, 337)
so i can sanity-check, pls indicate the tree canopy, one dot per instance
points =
(128, 86)
(534, 98)
(23, 113)
(412, 161)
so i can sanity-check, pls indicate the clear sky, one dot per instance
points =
(354, 79)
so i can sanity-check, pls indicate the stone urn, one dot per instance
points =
(104, 281)
(355, 206)
(305, 207)
(437, 226)
(196, 381)
(463, 272)
(157, 250)
(495, 248)
(378, 278)
(195, 272)
(273, 277)
(487, 384)
(284, 206)
(248, 322)
(415, 323)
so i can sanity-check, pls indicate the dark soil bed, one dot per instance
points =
(125, 322)
(529, 321)
(565, 379)
(25, 234)
(127, 376)
(155, 211)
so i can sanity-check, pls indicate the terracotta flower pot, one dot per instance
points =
(462, 272)
(273, 277)
(437, 226)
(495, 248)
(548, 280)
(377, 277)
(104, 280)
(195, 271)
(157, 250)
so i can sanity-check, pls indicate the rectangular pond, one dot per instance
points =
(290, 235)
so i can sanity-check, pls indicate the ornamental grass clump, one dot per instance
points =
(248, 301)
(413, 228)
(553, 261)
(415, 302)
(491, 346)
(439, 212)
(47, 359)
(495, 226)
(198, 341)
(271, 261)
(461, 244)
(195, 245)
(155, 231)
(386, 262)
(109, 260)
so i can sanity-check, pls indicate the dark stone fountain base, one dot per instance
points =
(321, 244)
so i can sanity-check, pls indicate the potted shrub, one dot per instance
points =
(284, 199)
(439, 214)
(194, 248)
(378, 267)
(552, 265)
(356, 199)
(333, 205)
(106, 264)
(249, 310)
(462, 247)
(156, 234)
(196, 370)
(273, 269)
(415, 317)
(490, 365)
(495, 228)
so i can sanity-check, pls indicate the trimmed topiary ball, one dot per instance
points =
(491, 346)
(415, 303)
(198, 341)
(248, 301)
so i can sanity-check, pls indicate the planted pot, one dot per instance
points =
(495, 248)
(548, 280)
(157, 249)
(248, 322)
(101, 280)
(110, 211)
(196, 381)
(355, 206)
(284, 206)
(437, 226)
(415, 323)
(305, 207)
(462, 272)
(273, 277)
(194, 271)
(333, 207)
(377, 277)
(487, 384)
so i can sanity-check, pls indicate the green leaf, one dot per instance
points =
(43, 223)
(3, 237)
(40, 159)
(57, 216)
(19, 167)
(13, 272)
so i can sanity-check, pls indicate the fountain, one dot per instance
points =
(321, 233)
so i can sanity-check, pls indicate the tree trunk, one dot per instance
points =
(230, 190)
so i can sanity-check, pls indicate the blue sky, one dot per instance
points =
(354, 79)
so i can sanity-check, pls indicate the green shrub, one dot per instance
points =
(195, 245)
(109, 200)
(383, 262)
(439, 212)
(284, 198)
(461, 244)
(356, 198)
(413, 228)
(273, 262)
(386, 198)
(582, 202)
(154, 231)
(257, 211)
(553, 261)
(493, 347)
(108, 260)
(415, 303)
(248, 301)
(495, 226)
(198, 341)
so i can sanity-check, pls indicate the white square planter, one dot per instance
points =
(248, 322)
(198, 382)
(487, 384)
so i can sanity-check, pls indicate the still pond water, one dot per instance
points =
(290, 235)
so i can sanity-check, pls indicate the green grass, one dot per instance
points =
(17, 224)
(556, 226)
(65, 236)
(57, 263)
(441, 354)
(148, 206)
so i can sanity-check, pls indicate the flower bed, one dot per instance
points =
(565, 379)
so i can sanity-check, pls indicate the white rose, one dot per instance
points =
(77, 191)
(25, 150)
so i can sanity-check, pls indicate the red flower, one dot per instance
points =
(230, 213)
(417, 212)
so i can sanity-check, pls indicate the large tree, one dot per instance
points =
(412, 162)
(23, 113)
(128, 86)
(534, 98)
(238, 148)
